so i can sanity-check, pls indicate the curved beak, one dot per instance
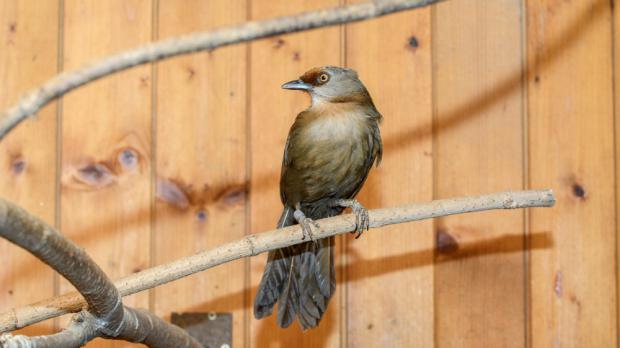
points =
(297, 84)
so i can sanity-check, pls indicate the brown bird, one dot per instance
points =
(329, 151)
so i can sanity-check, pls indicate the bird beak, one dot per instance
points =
(297, 84)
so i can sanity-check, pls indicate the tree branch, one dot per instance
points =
(106, 316)
(65, 82)
(258, 243)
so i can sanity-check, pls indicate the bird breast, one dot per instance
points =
(336, 128)
(328, 157)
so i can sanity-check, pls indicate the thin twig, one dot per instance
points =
(266, 241)
(105, 316)
(65, 82)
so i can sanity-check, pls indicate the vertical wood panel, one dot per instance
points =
(106, 129)
(573, 284)
(479, 275)
(29, 39)
(390, 272)
(390, 293)
(273, 110)
(616, 88)
(201, 161)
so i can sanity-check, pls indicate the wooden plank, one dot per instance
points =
(106, 146)
(573, 282)
(201, 161)
(616, 67)
(389, 275)
(29, 38)
(479, 275)
(272, 111)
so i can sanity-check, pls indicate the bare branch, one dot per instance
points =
(266, 241)
(139, 326)
(40, 239)
(142, 326)
(63, 83)
(106, 316)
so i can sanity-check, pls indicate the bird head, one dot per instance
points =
(330, 84)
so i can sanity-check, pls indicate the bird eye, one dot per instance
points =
(323, 78)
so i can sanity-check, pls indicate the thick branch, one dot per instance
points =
(142, 326)
(266, 241)
(41, 240)
(105, 316)
(63, 83)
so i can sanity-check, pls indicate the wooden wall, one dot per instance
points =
(165, 160)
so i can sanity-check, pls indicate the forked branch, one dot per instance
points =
(103, 314)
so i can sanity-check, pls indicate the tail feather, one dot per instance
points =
(324, 267)
(318, 281)
(276, 273)
(301, 279)
(287, 303)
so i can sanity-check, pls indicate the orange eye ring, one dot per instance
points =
(323, 78)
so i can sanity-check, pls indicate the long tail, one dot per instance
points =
(301, 279)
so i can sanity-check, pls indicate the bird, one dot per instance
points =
(329, 151)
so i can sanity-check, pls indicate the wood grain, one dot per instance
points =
(272, 111)
(201, 161)
(450, 83)
(616, 88)
(573, 283)
(479, 271)
(29, 39)
(106, 145)
(393, 58)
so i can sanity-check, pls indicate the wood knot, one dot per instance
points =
(128, 159)
(201, 215)
(445, 242)
(171, 192)
(413, 43)
(578, 191)
(96, 175)
(18, 166)
(232, 195)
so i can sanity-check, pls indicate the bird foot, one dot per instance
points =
(306, 223)
(362, 221)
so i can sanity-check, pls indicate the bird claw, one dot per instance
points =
(307, 230)
(306, 223)
(362, 221)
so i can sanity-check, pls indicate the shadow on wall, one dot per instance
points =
(507, 243)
